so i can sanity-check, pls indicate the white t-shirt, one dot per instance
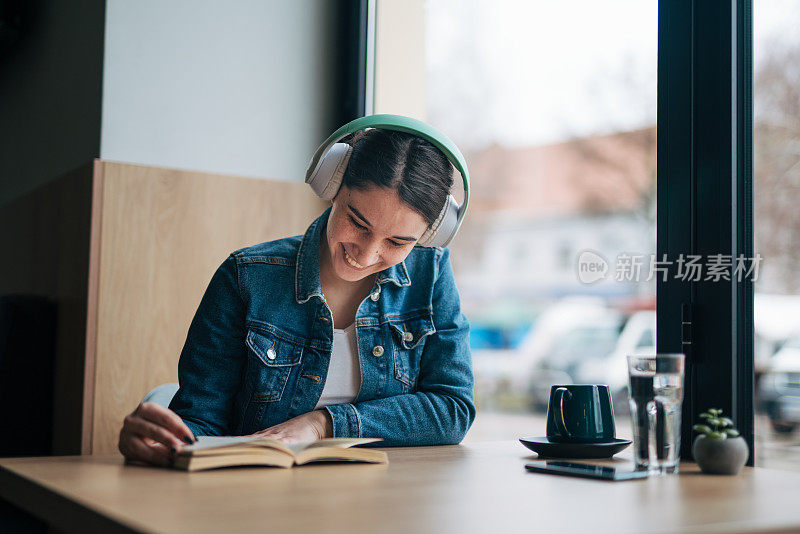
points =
(344, 370)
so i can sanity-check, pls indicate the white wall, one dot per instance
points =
(237, 87)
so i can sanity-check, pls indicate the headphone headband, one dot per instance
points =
(408, 125)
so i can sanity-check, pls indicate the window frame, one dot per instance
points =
(705, 202)
(356, 60)
(704, 198)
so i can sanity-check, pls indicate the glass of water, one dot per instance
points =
(655, 398)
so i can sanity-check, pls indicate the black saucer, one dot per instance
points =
(551, 449)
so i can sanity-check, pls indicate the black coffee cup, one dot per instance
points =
(580, 413)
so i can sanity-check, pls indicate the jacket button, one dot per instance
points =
(408, 337)
(377, 351)
(375, 295)
(271, 353)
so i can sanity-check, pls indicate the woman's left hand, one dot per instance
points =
(310, 426)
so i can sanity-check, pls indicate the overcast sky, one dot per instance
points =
(522, 73)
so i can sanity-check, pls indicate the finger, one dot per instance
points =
(140, 451)
(145, 429)
(124, 444)
(130, 446)
(153, 443)
(164, 451)
(266, 431)
(281, 435)
(168, 419)
(268, 434)
(273, 431)
(276, 436)
(163, 448)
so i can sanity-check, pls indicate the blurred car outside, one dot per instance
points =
(589, 341)
(483, 336)
(779, 388)
(776, 342)
(581, 340)
(637, 337)
(776, 319)
(512, 369)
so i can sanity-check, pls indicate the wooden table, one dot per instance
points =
(476, 487)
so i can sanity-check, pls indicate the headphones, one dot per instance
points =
(327, 166)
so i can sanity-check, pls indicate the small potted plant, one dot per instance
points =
(718, 448)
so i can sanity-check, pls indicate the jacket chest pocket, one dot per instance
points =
(270, 362)
(408, 340)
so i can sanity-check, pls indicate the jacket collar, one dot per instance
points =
(307, 281)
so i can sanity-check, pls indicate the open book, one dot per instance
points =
(223, 451)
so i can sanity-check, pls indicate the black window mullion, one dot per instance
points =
(743, 42)
(351, 60)
(674, 186)
(704, 201)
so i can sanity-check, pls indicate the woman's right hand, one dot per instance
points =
(152, 434)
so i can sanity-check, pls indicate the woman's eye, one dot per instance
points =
(356, 223)
(363, 228)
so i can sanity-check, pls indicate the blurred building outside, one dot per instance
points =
(560, 139)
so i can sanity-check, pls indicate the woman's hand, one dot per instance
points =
(152, 434)
(310, 426)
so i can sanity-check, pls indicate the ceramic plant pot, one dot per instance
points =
(720, 456)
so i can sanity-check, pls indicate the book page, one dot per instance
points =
(210, 442)
(339, 443)
(217, 442)
(214, 442)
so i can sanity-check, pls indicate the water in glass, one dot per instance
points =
(656, 395)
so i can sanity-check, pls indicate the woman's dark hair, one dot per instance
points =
(419, 172)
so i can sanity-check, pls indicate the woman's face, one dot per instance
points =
(370, 230)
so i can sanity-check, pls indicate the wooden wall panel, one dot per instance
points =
(162, 234)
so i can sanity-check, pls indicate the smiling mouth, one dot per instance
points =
(352, 262)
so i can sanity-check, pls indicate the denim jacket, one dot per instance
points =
(258, 348)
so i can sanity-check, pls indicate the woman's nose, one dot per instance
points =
(369, 252)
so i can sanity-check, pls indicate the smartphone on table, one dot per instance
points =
(576, 469)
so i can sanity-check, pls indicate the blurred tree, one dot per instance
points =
(776, 140)
(625, 160)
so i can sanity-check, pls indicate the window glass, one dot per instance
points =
(647, 339)
(776, 170)
(554, 107)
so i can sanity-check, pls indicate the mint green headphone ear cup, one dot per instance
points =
(444, 229)
(328, 173)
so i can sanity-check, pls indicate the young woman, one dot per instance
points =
(352, 329)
